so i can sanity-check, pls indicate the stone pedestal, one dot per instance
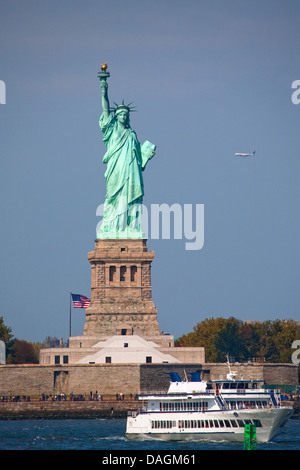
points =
(121, 297)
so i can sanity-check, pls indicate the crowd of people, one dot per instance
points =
(92, 396)
(15, 398)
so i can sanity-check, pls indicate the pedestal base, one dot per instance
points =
(121, 297)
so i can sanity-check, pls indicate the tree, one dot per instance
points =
(219, 337)
(23, 352)
(5, 332)
(51, 342)
(271, 340)
(6, 336)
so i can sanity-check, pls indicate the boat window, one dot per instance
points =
(227, 423)
(216, 423)
(240, 385)
(248, 421)
(225, 385)
(257, 423)
(233, 385)
(233, 423)
(240, 423)
(221, 422)
(163, 424)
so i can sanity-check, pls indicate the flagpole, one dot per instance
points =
(70, 314)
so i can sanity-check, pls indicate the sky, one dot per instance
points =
(209, 78)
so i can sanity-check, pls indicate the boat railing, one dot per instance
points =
(152, 392)
(145, 395)
(221, 401)
(133, 413)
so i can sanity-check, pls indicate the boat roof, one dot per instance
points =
(237, 380)
(195, 377)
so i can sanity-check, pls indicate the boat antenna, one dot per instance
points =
(232, 374)
(228, 362)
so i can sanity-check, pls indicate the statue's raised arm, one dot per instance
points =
(126, 158)
(103, 75)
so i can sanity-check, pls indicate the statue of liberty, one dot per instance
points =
(126, 159)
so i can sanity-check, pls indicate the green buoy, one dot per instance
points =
(249, 437)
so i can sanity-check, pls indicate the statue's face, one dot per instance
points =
(123, 116)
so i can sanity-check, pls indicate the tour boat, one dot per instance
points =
(215, 411)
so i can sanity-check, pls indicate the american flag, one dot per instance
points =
(80, 301)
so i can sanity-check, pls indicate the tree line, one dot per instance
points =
(20, 351)
(270, 340)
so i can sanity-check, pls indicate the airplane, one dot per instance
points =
(244, 154)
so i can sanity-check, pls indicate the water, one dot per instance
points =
(101, 434)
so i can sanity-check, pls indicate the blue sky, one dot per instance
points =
(209, 78)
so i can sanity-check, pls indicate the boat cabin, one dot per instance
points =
(238, 384)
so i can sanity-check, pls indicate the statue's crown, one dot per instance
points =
(119, 107)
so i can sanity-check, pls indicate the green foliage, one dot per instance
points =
(23, 352)
(5, 332)
(270, 340)
(52, 342)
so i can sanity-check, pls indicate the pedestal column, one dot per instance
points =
(121, 291)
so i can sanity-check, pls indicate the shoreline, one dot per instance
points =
(68, 409)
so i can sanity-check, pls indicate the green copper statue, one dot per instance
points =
(126, 158)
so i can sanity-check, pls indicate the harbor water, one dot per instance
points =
(109, 435)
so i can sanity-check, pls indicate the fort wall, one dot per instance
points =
(111, 379)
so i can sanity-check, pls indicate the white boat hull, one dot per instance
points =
(271, 420)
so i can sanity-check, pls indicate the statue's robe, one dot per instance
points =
(124, 182)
